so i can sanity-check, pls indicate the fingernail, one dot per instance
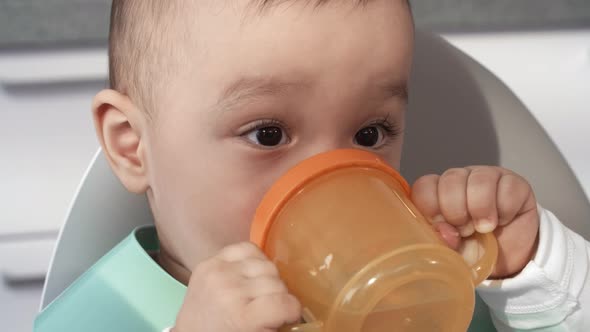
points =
(485, 226)
(467, 230)
(438, 219)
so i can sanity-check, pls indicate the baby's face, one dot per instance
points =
(262, 92)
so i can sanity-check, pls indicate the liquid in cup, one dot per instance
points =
(359, 256)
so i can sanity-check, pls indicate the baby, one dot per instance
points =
(212, 100)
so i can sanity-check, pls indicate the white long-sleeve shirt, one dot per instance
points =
(552, 293)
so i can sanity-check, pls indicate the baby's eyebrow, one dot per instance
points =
(396, 89)
(248, 88)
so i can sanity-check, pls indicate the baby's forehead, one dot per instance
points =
(146, 36)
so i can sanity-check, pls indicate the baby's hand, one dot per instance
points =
(238, 290)
(483, 199)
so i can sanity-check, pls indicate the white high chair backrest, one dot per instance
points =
(460, 114)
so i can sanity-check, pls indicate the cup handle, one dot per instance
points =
(484, 265)
(306, 327)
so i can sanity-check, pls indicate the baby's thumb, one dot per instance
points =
(449, 234)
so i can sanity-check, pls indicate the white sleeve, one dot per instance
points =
(168, 329)
(552, 293)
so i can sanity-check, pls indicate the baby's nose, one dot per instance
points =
(315, 149)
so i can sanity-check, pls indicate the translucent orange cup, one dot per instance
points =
(358, 255)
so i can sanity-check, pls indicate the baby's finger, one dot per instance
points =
(514, 196)
(452, 196)
(482, 187)
(270, 312)
(256, 267)
(240, 251)
(425, 197)
(262, 286)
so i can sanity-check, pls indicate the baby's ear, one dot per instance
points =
(119, 126)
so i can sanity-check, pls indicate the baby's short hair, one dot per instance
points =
(143, 42)
(140, 46)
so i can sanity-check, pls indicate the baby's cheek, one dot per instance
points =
(249, 195)
(237, 211)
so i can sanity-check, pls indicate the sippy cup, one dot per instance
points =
(359, 256)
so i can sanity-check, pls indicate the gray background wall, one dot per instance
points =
(46, 22)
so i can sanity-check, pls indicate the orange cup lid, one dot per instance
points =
(308, 170)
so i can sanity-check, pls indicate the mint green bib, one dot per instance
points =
(126, 290)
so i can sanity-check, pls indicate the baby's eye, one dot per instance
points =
(374, 136)
(268, 136)
(370, 136)
(377, 134)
